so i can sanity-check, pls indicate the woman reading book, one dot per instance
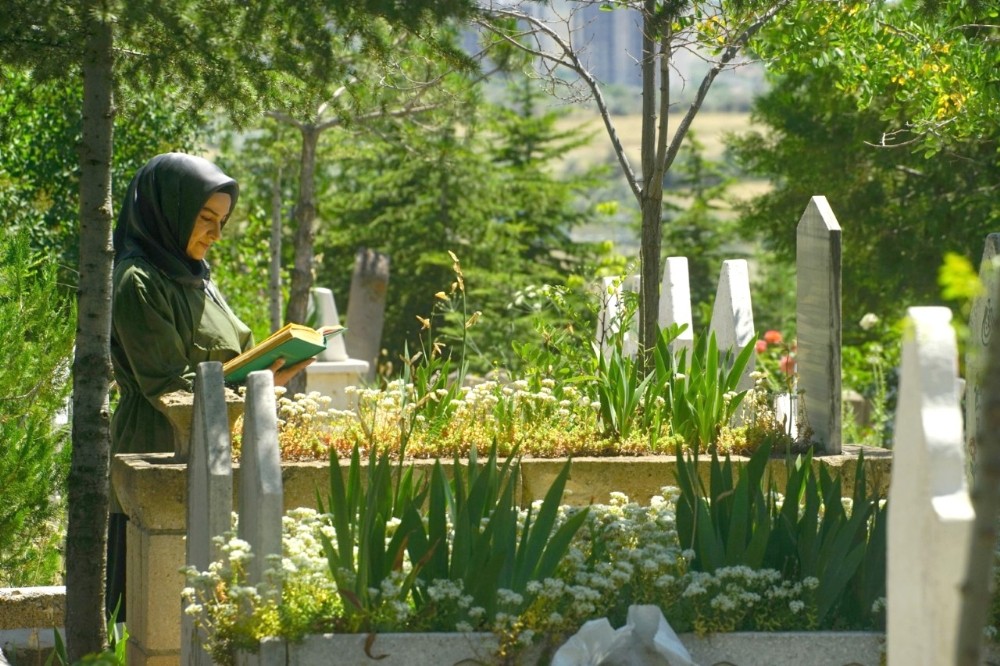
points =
(167, 314)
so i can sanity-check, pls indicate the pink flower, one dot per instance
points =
(773, 337)
(761, 346)
(787, 364)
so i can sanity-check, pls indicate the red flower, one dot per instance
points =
(787, 364)
(773, 337)
(761, 346)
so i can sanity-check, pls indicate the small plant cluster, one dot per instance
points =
(738, 518)
(601, 403)
(394, 552)
(686, 399)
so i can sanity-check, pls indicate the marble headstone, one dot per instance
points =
(209, 489)
(610, 319)
(818, 322)
(261, 502)
(675, 302)
(366, 307)
(930, 514)
(732, 314)
(982, 324)
(326, 315)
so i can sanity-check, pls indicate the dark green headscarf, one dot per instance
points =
(160, 209)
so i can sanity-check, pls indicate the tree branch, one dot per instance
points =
(727, 56)
(571, 61)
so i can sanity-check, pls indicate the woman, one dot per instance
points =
(167, 314)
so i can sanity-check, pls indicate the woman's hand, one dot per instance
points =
(283, 375)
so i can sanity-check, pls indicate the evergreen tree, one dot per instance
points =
(485, 190)
(36, 334)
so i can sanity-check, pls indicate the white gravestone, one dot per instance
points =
(333, 372)
(930, 515)
(260, 500)
(732, 315)
(982, 324)
(818, 322)
(209, 488)
(610, 319)
(326, 315)
(675, 302)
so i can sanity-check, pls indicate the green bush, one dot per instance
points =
(36, 334)
(810, 532)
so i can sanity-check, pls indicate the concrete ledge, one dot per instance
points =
(28, 616)
(27, 607)
(737, 649)
(152, 487)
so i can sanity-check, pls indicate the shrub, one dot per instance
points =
(36, 334)
(810, 532)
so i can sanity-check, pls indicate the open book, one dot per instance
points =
(292, 342)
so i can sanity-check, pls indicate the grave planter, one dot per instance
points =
(437, 649)
(152, 491)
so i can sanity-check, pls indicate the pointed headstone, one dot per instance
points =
(326, 315)
(366, 307)
(930, 515)
(610, 318)
(675, 302)
(982, 325)
(209, 489)
(818, 322)
(260, 501)
(732, 315)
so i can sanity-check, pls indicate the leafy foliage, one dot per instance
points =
(738, 519)
(39, 177)
(926, 64)
(36, 334)
(469, 533)
(901, 213)
(483, 191)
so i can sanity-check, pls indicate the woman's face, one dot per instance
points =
(208, 225)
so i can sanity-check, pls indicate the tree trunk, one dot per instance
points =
(305, 236)
(305, 217)
(653, 149)
(274, 284)
(88, 476)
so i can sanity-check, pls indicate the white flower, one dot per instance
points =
(869, 321)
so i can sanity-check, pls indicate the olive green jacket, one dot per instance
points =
(161, 330)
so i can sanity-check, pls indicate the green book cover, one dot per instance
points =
(293, 342)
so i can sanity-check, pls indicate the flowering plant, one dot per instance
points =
(621, 554)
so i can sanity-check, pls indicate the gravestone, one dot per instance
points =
(261, 495)
(326, 315)
(930, 514)
(818, 322)
(366, 307)
(732, 315)
(675, 302)
(610, 318)
(209, 489)
(982, 324)
(333, 372)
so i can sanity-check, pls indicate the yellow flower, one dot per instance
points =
(473, 319)
(424, 323)
(441, 296)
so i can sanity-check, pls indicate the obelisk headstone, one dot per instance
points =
(732, 315)
(675, 302)
(818, 322)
